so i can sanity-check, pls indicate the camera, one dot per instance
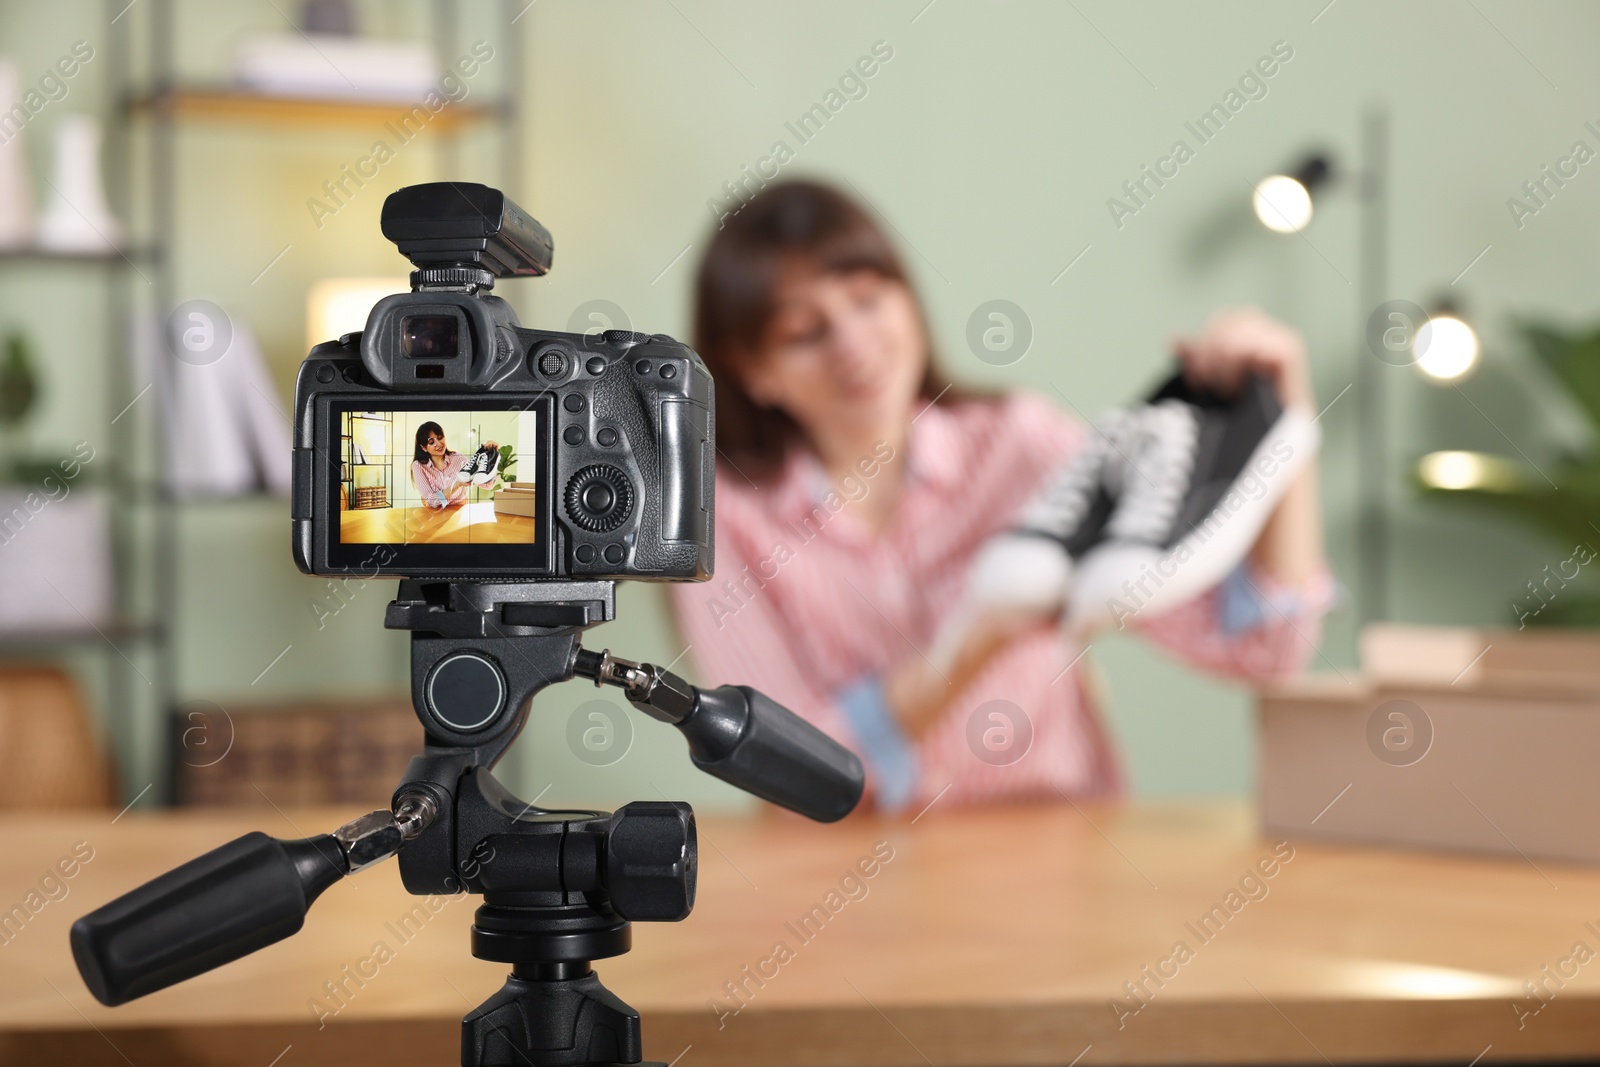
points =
(592, 462)
(446, 441)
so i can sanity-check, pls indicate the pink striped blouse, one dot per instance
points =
(438, 487)
(807, 602)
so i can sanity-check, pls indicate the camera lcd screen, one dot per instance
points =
(428, 476)
(429, 336)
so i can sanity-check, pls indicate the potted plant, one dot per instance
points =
(506, 473)
(1564, 505)
(55, 550)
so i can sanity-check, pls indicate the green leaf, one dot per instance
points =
(508, 463)
(19, 386)
(1574, 358)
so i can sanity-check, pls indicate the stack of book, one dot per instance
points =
(516, 499)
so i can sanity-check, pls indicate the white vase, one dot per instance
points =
(78, 219)
(16, 202)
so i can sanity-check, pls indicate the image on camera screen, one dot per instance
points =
(438, 477)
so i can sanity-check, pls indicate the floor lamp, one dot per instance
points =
(1283, 203)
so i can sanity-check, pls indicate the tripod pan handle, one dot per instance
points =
(228, 903)
(751, 741)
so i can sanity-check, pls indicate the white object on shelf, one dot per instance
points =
(55, 560)
(328, 65)
(226, 434)
(16, 199)
(78, 218)
(265, 425)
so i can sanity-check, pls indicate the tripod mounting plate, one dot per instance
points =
(499, 609)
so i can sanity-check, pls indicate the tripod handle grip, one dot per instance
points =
(751, 741)
(228, 903)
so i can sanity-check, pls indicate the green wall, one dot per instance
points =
(991, 142)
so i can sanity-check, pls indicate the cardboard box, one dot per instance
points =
(1499, 760)
(515, 502)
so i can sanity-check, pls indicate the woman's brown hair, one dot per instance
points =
(734, 302)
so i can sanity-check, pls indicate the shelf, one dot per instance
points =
(122, 257)
(151, 494)
(226, 104)
(114, 632)
(220, 500)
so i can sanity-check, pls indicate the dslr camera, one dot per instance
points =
(509, 477)
(403, 431)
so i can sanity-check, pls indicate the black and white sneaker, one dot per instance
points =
(1073, 507)
(1200, 479)
(488, 464)
(1029, 568)
(467, 471)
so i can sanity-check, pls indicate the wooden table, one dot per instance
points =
(461, 524)
(993, 937)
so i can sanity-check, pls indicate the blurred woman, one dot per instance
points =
(855, 484)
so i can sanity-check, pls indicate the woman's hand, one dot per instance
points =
(490, 444)
(919, 695)
(1236, 342)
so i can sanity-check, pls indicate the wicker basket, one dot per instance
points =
(298, 754)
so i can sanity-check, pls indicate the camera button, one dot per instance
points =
(625, 337)
(606, 437)
(352, 374)
(573, 403)
(613, 554)
(599, 498)
(325, 373)
(552, 362)
(585, 553)
(643, 366)
(668, 370)
(573, 435)
(595, 365)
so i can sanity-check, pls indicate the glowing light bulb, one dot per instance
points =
(1452, 470)
(1282, 204)
(1446, 348)
(1468, 470)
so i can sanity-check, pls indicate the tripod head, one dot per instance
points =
(559, 887)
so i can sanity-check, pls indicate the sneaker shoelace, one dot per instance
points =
(1161, 461)
(1063, 503)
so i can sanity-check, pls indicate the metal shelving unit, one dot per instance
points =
(348, 460)
(161, 109)
(127, 631)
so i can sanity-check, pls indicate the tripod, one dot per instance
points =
(560, 888)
